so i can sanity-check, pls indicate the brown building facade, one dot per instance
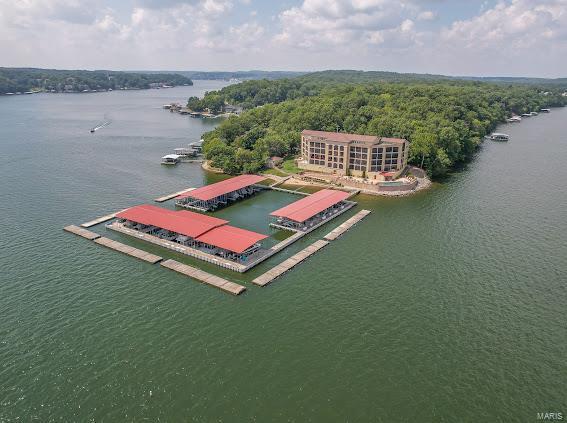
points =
(367, 156)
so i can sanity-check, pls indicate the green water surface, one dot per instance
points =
(448, 306)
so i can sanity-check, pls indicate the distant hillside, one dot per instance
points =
(357, 76)
(13, 80)
(243, 75)
(254, 93)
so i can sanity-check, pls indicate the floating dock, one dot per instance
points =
(288, 264)
(341, 229)
(170, 196)
(81, 232)
(217, 282)
(131, 251)
(100, 219)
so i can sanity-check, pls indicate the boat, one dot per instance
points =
(99, 126)
(514, 119)
(170, 159)
(534, 113)
(545, 110)
(496, 136)
(526, 114)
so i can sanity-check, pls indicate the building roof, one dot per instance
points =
(345, 138)
(207, 229)
(309, 206)
(396, 140)
(184, 222)
(209, 192)
(340, 136)
(231, 238)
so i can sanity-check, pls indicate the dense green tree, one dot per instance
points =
(31, 79)
(444, 119)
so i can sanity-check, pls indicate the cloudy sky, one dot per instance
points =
(457, 37)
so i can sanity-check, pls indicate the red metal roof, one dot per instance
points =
(201, 227)
(309, 206)
(182, 222)
(209, 192)
(231, 238)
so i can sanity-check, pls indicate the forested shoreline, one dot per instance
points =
(14, 80)
(445, 120)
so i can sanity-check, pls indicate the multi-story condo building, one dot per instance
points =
(352, 154)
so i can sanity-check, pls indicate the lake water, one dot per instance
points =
(448, 306)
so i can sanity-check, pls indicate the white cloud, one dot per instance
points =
(318, 24)
(520, 24)
(510, 37)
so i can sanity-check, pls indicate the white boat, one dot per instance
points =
(526, 114)
(496, 136)
(170, 159)
(545, 110)
(534, 113)
(514, 119)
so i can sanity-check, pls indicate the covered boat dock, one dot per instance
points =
(220, 194)
(310, 212)
(197, 235)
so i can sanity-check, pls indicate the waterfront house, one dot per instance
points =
(366, 156)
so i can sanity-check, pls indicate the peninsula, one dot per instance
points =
(440, 120)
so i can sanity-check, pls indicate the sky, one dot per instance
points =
(451, 37)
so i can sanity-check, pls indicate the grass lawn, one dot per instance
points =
(290, 167)
(276, 172)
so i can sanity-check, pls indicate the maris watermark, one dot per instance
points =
(551, 416)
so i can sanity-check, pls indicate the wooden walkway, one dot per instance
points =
(217, 282)
(100, 219)
(81, 232)
(131, 251)
(288, 264)
(341, 229)
(173, 195)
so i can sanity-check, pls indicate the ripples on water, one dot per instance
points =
(447, 306)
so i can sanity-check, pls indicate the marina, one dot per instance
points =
(126, 249)
(307, 213)
(81, 232)
(342, 228)
(288, 264)
(207, 278)
(218, 195)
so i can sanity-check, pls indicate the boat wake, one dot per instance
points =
(101, 125)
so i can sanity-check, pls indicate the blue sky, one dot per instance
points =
(456, 37)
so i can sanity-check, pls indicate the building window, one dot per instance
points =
(376, 160)
(358, 158)
(317, 153)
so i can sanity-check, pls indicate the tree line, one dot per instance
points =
(14, 80)
(445, 120)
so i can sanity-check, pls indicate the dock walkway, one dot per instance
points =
(81, 232)
(217, 282)
(173, 195)
(342, 228)
(100, 219)
(131, 251)
(288, 264)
